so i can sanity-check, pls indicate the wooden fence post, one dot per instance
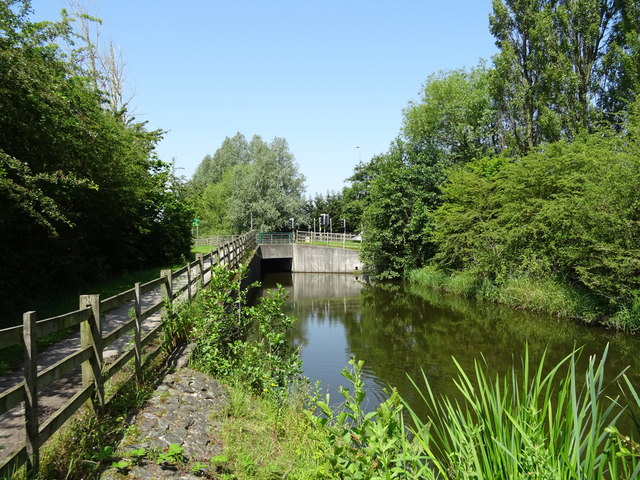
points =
(189, 281)
(91, 335)
(167, 288)
(200, 257)
(137, 332)
(30, 338)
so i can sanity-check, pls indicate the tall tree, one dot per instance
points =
(525, 71)
(233, 151)
(267, 191)
(560, 63)
(397, 215)
(454, 120)
(247, 184)
(95, 194)
(620, 67)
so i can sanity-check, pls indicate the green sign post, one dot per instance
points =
(196, 223)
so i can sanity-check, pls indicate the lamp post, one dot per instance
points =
(359, 154)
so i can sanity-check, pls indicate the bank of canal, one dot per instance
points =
(399, 330)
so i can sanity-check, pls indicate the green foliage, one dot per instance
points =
(237, 342)
(336, 206)
(397, 217)
(83, 191)
(395, 193)
(171, 455)
(374, 445)
(537, 422)
(247, 182)
(567, 211)
(453, 120)
(558, 62)
(285, 449)
(563, 69)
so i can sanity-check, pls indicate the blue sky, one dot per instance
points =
(328, 76)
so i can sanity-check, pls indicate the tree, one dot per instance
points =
(454, 120)
(527, 70)
(84, 193)
(620, 67)
(560, 61)
(267, 191)
(233, 151)
(397, 214)
(248, 184)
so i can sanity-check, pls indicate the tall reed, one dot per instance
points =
(540, 423)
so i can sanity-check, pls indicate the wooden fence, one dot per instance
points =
(95, 372)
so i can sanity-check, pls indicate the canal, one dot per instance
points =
(401, 331)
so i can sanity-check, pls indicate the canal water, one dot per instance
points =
(401, 331)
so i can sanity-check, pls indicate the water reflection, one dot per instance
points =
(403, 331)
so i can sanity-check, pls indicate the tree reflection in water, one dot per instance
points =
(399, 330)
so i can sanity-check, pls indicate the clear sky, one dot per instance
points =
(329, 76)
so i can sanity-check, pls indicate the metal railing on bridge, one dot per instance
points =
(338, 240)
(276, 237)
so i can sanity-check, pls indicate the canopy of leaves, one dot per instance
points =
(83, 192)
(569, 210)
(247, 184)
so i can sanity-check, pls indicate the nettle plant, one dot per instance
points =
(373, 445)
(242, 342)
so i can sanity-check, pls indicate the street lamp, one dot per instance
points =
(359, 154)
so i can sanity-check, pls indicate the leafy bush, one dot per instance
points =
(568, 211)
(239, 342)
(374, 445)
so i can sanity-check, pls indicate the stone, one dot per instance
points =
(178, 412)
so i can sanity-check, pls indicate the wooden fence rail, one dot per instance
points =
(93, 341)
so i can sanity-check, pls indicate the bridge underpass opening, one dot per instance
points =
(273, 265)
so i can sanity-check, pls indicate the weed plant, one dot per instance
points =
(548, 423)
(237, 342)
(374, 445)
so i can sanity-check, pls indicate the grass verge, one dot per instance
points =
(545, 295)
(265, 438)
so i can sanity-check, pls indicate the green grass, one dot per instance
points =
(285, 448)
(202, 249)
(547, 422)
(545, 295)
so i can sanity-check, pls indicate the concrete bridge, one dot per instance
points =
(298, 258)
